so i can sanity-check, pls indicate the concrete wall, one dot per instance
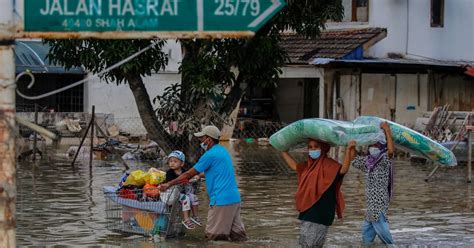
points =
(118, 99)
(301, 72)
(410, 31)
(393, 16)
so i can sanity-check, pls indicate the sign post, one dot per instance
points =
(145, 18)
(7, 124)
(105, 19)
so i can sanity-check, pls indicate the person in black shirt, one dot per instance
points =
(189, 201)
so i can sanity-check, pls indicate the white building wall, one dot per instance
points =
(393, 16)
(118, 99)
(453, 42)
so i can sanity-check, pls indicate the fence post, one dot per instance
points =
(469, 153)
(82, 142)
(92, 135)
(35, 133)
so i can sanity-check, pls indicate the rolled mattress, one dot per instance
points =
(413, 141)
(365, 130)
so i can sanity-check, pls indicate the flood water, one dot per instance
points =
(59, 205)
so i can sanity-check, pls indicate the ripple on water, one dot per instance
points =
(59, 204)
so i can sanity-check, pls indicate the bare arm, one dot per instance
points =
(182, 178)
(348, 157)
(388, 136)
(290, 161)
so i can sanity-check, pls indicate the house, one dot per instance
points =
(303, 87)
(30, 55)
(394, 59)
(425, 60)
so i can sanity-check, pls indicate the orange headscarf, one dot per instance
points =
(315, 178)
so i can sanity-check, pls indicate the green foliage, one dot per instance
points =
(307, 17)
(97, 55)
(211, 66)
(172, 108)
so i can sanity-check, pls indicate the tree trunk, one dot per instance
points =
(231, 101)
(155, 130)
(190, 51)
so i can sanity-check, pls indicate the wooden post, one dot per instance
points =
(469, 152)
(82, 142)
(35, 133)
(92, 136)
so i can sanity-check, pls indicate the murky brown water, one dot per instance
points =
(61, 205)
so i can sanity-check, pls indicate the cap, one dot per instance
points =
(177, 154)
(211, 131)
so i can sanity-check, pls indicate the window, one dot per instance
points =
(356, 10)
(71, 100)
(437, 13)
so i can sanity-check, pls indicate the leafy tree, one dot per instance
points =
(215, 73)
(97, 55)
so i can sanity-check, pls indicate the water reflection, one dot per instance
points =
(58, 204)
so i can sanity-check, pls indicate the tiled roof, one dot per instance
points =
(333, 44)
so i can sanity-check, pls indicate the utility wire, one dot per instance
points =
(85, 80)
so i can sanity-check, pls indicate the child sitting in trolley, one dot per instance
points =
(189, 201)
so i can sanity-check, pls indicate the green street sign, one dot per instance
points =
(155, 16)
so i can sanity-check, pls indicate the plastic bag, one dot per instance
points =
(136, 178)
(155, 176)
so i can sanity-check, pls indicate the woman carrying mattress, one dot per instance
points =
(319, 197)
(378, 186)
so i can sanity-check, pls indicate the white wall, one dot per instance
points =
(118, 99)
(390, 14)
(173, 49)
(453, 42)
(301, 72)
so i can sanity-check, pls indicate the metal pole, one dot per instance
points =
(35, 134)
(7, 145)
(469, 153)
(92, 135)
(80, 145)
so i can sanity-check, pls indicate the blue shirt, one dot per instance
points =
(221, 185)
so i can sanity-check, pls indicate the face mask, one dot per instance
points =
(374, 151)
(314, 154)
(204, 145)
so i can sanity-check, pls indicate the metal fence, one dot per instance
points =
(248, 140)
